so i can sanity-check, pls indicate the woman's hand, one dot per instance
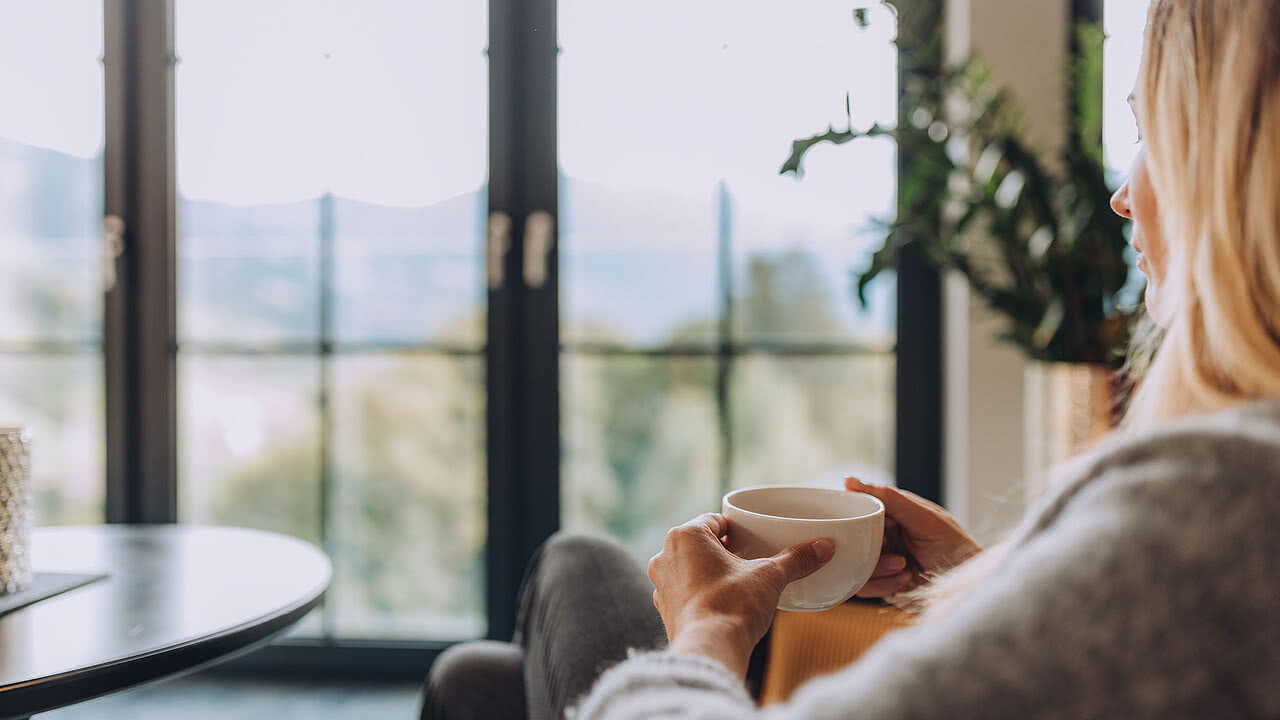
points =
(715, 603)
(921, 539)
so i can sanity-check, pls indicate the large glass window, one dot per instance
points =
(331, 162)
(710, 338)
(1123, 22)
(51, 263)
(324, 294)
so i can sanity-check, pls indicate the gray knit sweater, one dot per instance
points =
(1146, 586)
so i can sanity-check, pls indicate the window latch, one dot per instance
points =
(499, 244)
(538, 240)
(112, 249)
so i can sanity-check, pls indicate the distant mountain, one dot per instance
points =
(452, 226)
(49, 195)
(642, 263)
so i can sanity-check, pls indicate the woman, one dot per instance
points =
(1145, 585)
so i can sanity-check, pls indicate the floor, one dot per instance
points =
(203, 697)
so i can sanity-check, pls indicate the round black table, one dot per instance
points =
(176, 597)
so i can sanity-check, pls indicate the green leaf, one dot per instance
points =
(804, 145)
(886, 258)
(794, 161)
(1050, 259)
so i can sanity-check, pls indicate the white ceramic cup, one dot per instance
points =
(764, 520)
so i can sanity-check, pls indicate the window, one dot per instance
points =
(1123, 23)
(340, 312)
(51, 377)
(710, 338)
(331, 166)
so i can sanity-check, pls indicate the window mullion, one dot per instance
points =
(725, 349)
(539, 278)
(139, 322)
(502, 386)
(918, 366)
(522, 354)
(325, 391)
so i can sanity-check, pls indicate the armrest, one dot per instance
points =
(805, 645)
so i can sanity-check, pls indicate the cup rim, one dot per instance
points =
(728, 501)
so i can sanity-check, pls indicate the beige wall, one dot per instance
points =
(1025, 42)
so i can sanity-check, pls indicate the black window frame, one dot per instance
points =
(522, 352)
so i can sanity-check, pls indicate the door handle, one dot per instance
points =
(538, 241)
(498, 245)
(112, 249)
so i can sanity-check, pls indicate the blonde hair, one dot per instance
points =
(1208, 100)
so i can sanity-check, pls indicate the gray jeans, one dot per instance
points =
(584, 603)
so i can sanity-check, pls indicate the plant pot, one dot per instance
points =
(1069, 407)
(15, 511)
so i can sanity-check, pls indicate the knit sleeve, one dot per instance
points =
(662, 685)
(1141, 598)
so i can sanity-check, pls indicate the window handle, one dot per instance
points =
(112, 249)
(499, 244)
(538, 240)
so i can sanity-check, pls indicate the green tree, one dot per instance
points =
(786, 297)
(641, 449)
(49, 287)
(407, 509)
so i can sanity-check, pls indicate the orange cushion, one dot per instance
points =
(805, 645)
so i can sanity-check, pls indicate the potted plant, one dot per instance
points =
(1031, 232)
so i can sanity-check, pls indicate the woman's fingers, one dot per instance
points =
(904, 507)
(707, 526)
(714, 522)
(889, 565)
(803, 559)
(885, 587)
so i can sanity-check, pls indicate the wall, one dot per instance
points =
(1025, 43)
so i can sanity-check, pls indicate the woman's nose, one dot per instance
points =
(1120, 201)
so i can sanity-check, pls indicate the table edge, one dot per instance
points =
(38, 695)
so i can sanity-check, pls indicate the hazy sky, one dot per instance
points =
(50, 74)
(1123, 20)
(386, 100)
